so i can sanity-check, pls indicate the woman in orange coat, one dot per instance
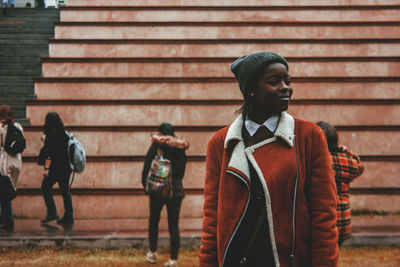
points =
(269, 194)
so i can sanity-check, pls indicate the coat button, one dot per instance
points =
(259, 195)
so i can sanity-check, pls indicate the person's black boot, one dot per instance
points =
(49, 219)
(65, 220)
(8, 225)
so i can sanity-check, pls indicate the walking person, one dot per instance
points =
(54, 157)
(269, 193)
(346, 166)
(166, 144)
(10, 165)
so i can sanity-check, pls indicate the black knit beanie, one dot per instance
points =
(166, 129)
(245, 66)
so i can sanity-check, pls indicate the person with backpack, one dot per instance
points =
(168, 154)
(54, 157)
(12, 145)
(346, 167)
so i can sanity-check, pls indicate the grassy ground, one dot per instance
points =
(60, 257)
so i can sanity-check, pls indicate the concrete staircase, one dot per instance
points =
(24, 34)
(114, 73)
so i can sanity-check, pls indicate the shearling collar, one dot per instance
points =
(285, 129)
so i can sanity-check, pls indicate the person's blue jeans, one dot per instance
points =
(63, 183)
(12, 2)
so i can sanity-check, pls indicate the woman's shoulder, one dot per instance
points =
(307, 126)
(219, 136)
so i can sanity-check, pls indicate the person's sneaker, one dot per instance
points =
(171, 263)
(151, 257)
(65, 220)
(49, 219)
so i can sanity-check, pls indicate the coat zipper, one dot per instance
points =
(296, 185)
(241, 218)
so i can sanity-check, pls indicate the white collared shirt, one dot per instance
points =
(253, 127)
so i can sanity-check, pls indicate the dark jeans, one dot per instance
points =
(63, 183)
(173, 209)
(6, 210)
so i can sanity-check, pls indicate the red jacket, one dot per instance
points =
(226, 192)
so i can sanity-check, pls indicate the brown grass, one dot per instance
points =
(60, 257)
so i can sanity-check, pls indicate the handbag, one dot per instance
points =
(7, 191)
(159, 177)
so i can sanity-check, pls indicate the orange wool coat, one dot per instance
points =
(226, 193)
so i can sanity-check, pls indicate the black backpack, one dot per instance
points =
(15, 142)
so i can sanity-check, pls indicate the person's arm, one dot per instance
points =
(151, 153)
(353, 165)
(208, 250)
(322, 202)
(170, 141)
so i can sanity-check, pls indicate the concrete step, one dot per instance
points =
(113, 172)
(222, 48)
(101, 206)
(226, 13)
(132, 140)
(26, 36)
(380, 175)
(21, 60)
(132, 203)
(208, 112)
(31, 13)
(208, 88)
(128, 233)
(20, 41)
(28, 69)
(228, 3)
(226, 30)
(25, 50)
(218, 67)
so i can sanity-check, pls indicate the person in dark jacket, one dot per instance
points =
(54, 153)
(174, 150)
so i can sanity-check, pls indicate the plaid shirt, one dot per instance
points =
(346, 166)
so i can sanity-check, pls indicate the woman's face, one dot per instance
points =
(273, 91)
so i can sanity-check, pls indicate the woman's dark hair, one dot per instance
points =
(331, 135)
(166, 128)
(53, 122)
(6, 114)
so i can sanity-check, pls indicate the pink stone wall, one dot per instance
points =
(226, 32)
(228, 15)
(126, 50)
(226, 3)
(337, 114)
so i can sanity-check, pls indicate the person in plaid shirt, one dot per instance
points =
(346, 167)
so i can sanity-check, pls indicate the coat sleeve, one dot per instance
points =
(354, 166)
(208, 249)
(151, 153)
(323, 203)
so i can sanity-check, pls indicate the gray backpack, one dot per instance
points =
(76, 155)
